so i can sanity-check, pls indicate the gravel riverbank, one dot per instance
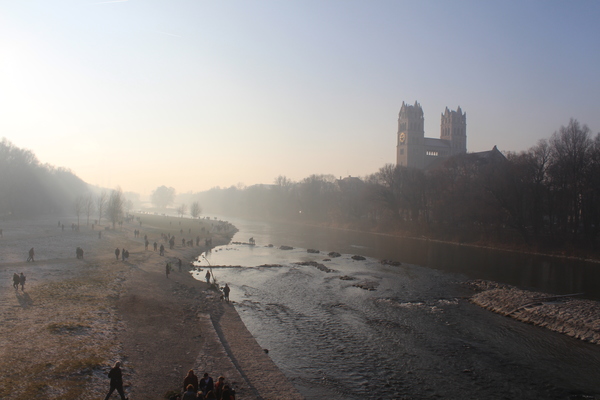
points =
(76, 317)
(570, 315)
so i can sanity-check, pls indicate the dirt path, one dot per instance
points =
(75, 318)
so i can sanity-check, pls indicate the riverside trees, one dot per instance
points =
(548, 195)
(30, 188)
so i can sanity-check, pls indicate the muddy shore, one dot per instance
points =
(75, 318)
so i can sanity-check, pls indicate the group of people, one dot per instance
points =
(124, 254)
(19, 280)
(205, 388)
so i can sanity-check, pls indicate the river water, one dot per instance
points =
(413, 335)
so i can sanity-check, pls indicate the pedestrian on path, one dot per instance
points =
(116, 381)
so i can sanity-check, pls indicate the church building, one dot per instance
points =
(417, 151)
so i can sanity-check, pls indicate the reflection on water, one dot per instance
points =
(414, 336)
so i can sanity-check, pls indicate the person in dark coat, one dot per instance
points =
(116, 381)
(22, 280)
(206, 383)
(117, 252)
(190, 394)
(191, 379)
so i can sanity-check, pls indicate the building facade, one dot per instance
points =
(417, 151)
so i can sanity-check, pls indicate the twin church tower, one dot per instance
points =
(417, 151)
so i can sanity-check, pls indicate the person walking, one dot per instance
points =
(117, 252)
(168, 269)
(116, 381)
(31, 254)
(226, 291)
(207, 277)
(16, 280)
(22, 279)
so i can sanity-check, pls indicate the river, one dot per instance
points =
(365, 330)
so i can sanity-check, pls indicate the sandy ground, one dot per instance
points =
(75, 318)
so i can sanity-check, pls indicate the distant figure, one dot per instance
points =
(126, 255)
(22, 281)
(168, 269)
(162, 249)
(251, 241)
(226, 291)
(183, 242)
(207, 277)
(146, 243)
(16, 280)
(206, 383)
(179, 264)
(197, 241)
(191, 379)
(155, 246)
(123, 254)
(79, 253)
(31, 254)
(116, 381)
(117, 252)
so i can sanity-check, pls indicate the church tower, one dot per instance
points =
(410, 150)
(454, 130)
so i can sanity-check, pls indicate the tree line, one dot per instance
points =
(28, 187)
(544, 197)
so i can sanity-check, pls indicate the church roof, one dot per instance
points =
(437, 143)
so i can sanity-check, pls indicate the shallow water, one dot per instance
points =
(414, 336)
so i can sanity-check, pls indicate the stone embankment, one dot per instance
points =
(567, 314)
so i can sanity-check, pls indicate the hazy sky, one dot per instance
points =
(194, 94)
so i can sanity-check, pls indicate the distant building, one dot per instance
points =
(417, 151)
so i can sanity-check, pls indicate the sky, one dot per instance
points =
(195, 94)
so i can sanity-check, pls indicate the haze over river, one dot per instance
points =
(415, 336)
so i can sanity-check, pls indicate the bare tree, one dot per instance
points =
(114, 207)
(127, 205)
(79, 207)
(88, 206)
(101, 204)
(195, 209)
(182, 210)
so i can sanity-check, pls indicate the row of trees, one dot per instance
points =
(163, 197)
(28, 187)
(547, 195)
(113, 206)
